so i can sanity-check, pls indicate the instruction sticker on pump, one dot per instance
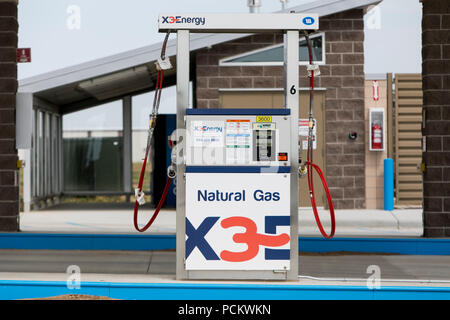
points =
(237, 221)
(238, 141)
(303, 132)
(208, 133)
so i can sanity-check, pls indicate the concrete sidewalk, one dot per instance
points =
(400, 222)
(118, 218)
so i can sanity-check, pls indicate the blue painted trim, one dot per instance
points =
(238, 169)
(50, 241)
(12, 289)
(239, 112)
(414, 246)
(138, 242)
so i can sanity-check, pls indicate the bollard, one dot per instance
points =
(388, 184)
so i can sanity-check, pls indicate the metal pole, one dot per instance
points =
(254, 5)
(291, 71)
(127, 146)
(54, 150)
(38, 155)
(183, 51)
(43, 162)
(57, 151)
(388, 184)
(35, 152)
(49, 159)
(27, 181)
(61, 154)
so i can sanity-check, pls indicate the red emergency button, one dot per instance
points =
(282, 156)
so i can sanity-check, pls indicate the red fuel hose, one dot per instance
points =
(156, 101)
(310, 165)
(141, 177)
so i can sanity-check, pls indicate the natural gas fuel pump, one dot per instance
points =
(237, 170)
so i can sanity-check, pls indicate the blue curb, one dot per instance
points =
(139, 242)
(11, 290)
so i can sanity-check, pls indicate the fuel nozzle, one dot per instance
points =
(173, 144)
(172, 171)
(172, 139)
(302, 171)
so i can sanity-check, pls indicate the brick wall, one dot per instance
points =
(8, 87)
(436, 87)
(342, 76)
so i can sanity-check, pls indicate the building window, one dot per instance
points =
(93, 149)
(274, 55)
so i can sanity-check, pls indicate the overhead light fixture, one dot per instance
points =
(118, 84)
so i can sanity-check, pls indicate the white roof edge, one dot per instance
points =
(328, 7)
(150, 53)
(115, 63)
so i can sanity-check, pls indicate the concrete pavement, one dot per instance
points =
(159, 266)
(118, 218)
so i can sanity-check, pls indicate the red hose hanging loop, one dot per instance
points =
(310, 166)
(309, 163)
(155, 214)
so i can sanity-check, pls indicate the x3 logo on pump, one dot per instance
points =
(237, 221)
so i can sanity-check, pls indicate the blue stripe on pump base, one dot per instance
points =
(238, 169)
(239, 112)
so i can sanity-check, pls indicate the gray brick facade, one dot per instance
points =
(9, 194)
(343, 78)
(436, 90)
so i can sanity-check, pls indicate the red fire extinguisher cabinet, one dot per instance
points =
(376, 129)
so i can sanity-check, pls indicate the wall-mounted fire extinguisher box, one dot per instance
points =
(376, 134)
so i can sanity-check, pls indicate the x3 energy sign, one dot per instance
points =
(238, 221)
(183, 19)
(241, 22)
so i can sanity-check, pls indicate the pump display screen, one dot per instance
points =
(264, 135)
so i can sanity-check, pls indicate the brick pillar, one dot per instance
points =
(9, 193)
(343, 76)
(436, 89)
